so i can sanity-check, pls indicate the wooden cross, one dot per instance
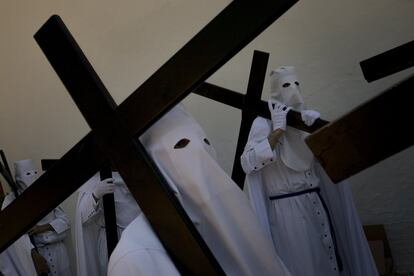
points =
(251, 106)
(114, 133)
(251, 99)
(374, 130)
(389, 62)
(108, 200)
(1, 193)
(6, 173)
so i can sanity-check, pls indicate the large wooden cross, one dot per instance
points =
(375, 130)
(114, 129)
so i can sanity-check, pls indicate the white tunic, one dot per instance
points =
(139, 253)
(16, 260)
(218, 208)
(299, 225)
(91, 249)
(51, 245)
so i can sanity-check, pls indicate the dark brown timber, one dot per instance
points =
(367, 135)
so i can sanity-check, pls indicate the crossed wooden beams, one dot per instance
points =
(115, 128)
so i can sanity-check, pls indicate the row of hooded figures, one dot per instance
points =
(289, 220)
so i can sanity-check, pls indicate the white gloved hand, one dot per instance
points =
(309, 116)
(278, 111)
(104, 187)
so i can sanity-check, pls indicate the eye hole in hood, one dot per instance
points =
(182, 143)
(207, 141)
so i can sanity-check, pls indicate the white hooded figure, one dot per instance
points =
(314, 224)
(217, 207)
(90, 233)
(49, 233)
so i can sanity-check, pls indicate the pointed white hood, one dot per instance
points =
(284, 87)
(25, 173)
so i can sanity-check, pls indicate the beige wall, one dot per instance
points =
(126, 41)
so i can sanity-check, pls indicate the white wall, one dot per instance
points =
(126, 41)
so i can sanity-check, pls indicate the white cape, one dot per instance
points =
(86, 237)
(352, 244)
(217, 207)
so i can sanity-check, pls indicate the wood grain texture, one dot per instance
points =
(367, 135)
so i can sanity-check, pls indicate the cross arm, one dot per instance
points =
(252, 98)
(111, 229)
(367, 135)
(236, 100)
(389, 62)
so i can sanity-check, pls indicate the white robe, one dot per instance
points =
(90, 234)
(140, 253)
(17, 260)
(299, 225)
(51, 245)
(218, 208)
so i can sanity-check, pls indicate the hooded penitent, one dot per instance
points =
(90, 234)
(25, 173)
(284, 88)
(313, 223)
(217, 207)
(50, 244)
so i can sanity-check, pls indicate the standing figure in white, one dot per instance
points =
(313, 223)
(49, 233)
(90, 234)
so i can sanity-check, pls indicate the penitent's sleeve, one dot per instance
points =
(89, 208)
(257, 152)
(61, 223)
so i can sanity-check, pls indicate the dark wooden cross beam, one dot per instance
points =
(222, 38)
(252, 98)
(236, 100)
(390, 62)
(367, 135)
(111, 229)
(6, 173)
(2, 169)
(48, 163)
(5, 163)
(1, 193)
